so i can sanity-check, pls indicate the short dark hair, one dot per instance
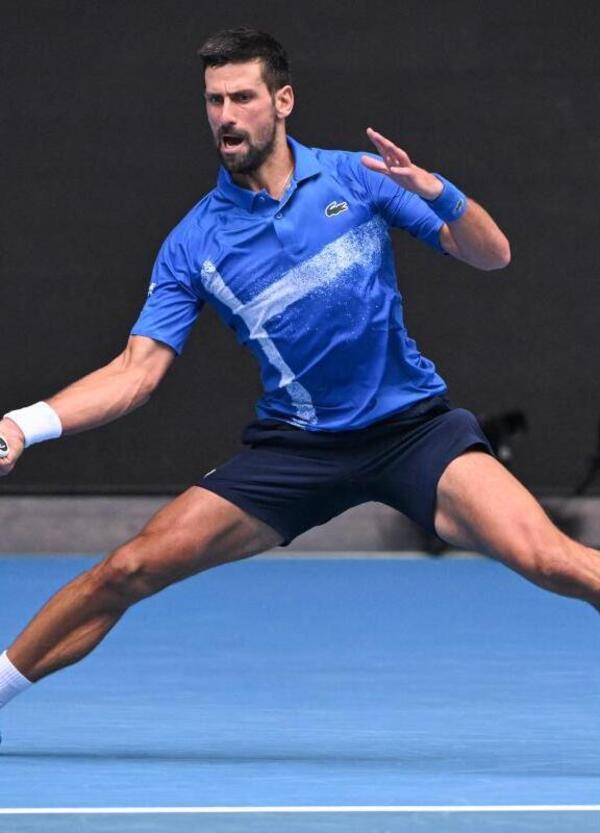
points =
(236, 46)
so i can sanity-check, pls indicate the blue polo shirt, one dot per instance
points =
(308, 284)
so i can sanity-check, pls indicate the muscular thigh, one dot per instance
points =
(194, 532)
(482, 507)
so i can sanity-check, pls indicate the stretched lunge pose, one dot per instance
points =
(292, 248)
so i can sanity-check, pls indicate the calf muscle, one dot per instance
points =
(196, 531)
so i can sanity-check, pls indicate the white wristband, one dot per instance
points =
(38, 422)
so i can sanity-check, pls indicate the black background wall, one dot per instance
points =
(106, 147)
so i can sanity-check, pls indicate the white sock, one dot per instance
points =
(12, 682)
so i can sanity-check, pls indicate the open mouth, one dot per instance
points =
(231, 142)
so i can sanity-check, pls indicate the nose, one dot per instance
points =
(227, 114)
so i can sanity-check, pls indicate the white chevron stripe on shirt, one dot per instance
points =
(360, 247)
(301, 399)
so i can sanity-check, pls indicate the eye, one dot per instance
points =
(214, 99)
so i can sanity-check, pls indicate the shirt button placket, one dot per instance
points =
(277, 228)
(284, 231)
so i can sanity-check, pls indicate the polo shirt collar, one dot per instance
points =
(306, 165)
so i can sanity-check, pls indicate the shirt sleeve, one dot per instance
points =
(400, 208)
(173, 303)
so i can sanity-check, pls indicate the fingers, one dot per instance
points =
(374, 164)
(385, 146)
(380, 142)
(6, 464)
(11, 446)
(393, 156)
(381, 168)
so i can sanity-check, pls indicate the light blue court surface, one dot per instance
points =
(363, 683)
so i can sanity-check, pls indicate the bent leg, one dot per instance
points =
(482, 507)
(196, 531)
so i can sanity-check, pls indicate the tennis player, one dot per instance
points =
(292, 247)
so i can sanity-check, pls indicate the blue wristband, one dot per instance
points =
(451, 204)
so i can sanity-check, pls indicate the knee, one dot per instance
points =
(126, 576)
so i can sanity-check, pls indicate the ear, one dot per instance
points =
(284, 101)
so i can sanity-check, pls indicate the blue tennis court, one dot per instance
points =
(394, 694)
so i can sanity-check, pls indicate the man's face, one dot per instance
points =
(242, 115)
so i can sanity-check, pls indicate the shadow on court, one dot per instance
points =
(483, 762)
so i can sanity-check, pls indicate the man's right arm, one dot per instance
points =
(102, 396)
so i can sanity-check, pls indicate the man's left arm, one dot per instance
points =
(468, 233)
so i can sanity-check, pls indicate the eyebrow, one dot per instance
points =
(248, 91)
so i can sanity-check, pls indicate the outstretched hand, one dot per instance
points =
(14, 444)
(398, 166)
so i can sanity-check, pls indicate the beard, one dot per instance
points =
(257, 152)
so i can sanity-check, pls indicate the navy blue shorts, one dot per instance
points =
(294, 479)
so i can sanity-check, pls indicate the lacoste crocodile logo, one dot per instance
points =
(335, 208)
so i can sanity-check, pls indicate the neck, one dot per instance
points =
(274, 174)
